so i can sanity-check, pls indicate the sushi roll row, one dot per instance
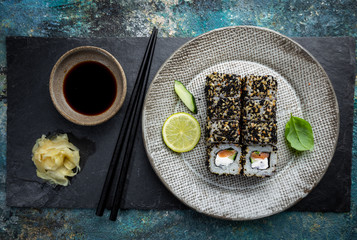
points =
(241, 130)
(259, 126)
(223, 95)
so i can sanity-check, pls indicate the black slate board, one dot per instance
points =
(31, 114)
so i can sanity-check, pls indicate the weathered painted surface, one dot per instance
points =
(176, 18)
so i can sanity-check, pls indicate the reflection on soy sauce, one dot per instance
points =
(90, 88)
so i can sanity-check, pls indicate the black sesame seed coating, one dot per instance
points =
(259, 87)
(223, 131)
(259, 109)
(223, 108)
(223, 85)
(261, 133)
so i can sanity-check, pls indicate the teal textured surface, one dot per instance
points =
(176, 19)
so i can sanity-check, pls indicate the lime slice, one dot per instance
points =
(181, 132)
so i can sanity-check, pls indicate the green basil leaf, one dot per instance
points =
(298, 132)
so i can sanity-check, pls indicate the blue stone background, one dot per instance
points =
(176, 18)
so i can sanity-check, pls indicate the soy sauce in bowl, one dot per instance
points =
(87, 85)
(90, 88)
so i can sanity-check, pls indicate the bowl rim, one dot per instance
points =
(88, 120)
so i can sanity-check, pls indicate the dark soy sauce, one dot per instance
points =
(90, 88)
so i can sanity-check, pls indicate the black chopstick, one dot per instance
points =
(124, 130)
(128, 151)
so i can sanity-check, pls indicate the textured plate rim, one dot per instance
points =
(292, 203)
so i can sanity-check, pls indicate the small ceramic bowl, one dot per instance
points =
(66, 63)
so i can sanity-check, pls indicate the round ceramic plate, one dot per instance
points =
(304, 90)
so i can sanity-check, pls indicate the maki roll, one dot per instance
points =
(223, 95)
(255, 132)
(223, 108)
(223, 131)
(224, 159)
(223, 85)
(259, 161)
(260, 87)
(259, 126)
(241, 114)
(259, 110)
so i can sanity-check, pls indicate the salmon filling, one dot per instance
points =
(225, 157)
(259, 160)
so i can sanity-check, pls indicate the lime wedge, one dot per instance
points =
(181, 132)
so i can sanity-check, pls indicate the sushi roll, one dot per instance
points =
(223, 95)
(259, 161)
(241, 111)
(223, 108)
(222, 131)
(257, 132)
(223, 85)
(224, 159)
(259, 87)
(259, 110)
(259, 126)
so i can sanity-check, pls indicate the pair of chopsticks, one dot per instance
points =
(125, 142)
